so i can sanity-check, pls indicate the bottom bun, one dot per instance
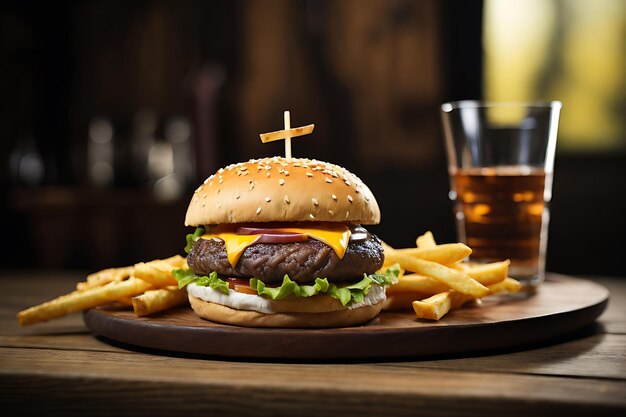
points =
(340, 318)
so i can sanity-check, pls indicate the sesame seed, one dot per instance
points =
(268, 175)
(332, 213)
(286, 199)
(268, 167)
(203, 195)
(267, 199)
(220, 170)
(203, 203)
(358, 190)
(205, 181)
(218, 190)
(245, 173)
(308, 174)
(220, 181)
(281, 181)
(334, 197)
(210, 183)
(237, 195)
(315, 202)
(243, 168)
(286, 173)
(311, 215)
(347, 214)
(367, 198)
(251, 186)
(258, 210)
(296, 165)
(347, 182)
(350, 198)
(328, 180)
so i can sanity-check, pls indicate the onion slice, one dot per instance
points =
(245, 230)
(282, 238)
(269, 235)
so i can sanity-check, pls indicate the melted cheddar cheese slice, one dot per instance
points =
(335, 235)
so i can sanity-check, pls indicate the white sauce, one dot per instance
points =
(241, 301)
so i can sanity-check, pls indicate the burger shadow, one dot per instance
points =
(593, 329)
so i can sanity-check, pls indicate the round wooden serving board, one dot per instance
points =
(563, 304)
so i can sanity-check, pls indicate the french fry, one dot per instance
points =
(437, 306)
(507, 285)
(387, 248)
(433, 308)
(159, 272)
(490, 273)
(443, 254)
(417, 284)
(427, 240)
(105, 276)
(454, 279)
(81, 300)
(387, 262)
(158, 300)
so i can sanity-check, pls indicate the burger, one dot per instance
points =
(280, 243)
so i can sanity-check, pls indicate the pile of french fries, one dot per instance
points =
(440, 280)
(148, 286)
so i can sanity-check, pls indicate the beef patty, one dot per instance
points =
(302, 261)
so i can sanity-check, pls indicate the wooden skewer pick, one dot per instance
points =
(287, 117)
(287, 134)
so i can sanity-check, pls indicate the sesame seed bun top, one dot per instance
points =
(278, 190)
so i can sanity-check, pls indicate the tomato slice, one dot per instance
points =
(244, 289)
(241, 285)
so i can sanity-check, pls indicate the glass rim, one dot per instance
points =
(449, 106)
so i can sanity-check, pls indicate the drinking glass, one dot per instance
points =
(501, 163)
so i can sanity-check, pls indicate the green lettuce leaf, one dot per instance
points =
(186, 277)
(191, 238)
(289, 287)
(353, 293)
(345, 294)
(389, 277)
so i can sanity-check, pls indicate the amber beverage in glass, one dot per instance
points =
(500, 161)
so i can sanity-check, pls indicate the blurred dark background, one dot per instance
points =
(113, 111)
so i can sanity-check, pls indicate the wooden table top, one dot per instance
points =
(60, 367)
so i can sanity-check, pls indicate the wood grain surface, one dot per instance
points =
(61, 368)
(562, 305)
